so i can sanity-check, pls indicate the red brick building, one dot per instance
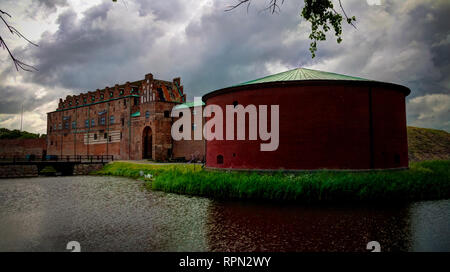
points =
(326, 121)
(130, 121)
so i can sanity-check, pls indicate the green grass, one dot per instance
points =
(423, 181)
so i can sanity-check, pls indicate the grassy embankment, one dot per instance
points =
(424, 180)
(428, 144)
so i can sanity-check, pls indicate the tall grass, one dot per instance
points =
(424, 180)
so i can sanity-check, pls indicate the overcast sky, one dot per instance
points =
(89, 44)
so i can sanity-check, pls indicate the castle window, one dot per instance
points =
(101, 96)
(136, 101)
(219, 159)
(93, 98)
(166, 114)
(60, 126)
(122, 120)
(70, 103)
(95, 136)
(111, 119)
(92, 123)
(84, 100)
(66, 125)
(102, 121)
(111, 94)
(121, 92)
(74, 124)
(109, 139)
(86, 123)
(105, 135)
(76, 102)
(147, 114)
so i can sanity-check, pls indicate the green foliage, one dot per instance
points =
(17, 134)
(322, 16)
(424, 180)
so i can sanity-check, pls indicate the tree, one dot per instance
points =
(18, 63)
(320, 13)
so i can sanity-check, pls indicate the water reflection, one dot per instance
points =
(430, 226)
(102, 213)
(117, 214)
(240, 226)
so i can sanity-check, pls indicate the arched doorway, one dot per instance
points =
(147, 143)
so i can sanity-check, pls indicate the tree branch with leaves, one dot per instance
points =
(320, 13)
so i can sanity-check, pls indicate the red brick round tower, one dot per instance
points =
(326, 121)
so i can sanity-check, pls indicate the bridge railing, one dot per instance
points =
(55, 158)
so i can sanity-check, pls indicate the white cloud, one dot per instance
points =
(431, 111)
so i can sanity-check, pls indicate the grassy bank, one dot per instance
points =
(428, 144)
(423, 181)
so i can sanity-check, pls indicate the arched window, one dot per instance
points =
(111, 119)
(219, 159)
(147, 114)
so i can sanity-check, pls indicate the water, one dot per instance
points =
(117, 214)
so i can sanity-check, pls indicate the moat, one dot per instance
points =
(118, 214)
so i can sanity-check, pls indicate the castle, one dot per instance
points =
(131, 121)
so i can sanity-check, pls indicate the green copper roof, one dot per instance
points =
(136, 114)
(301, 74)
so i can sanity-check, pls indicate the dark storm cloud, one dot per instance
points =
(45, 7)
(405, 42)
(88, 53)
(14, 97)
(163, 10)
(396, 42)
(235, 46)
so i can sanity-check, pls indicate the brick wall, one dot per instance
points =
(22, 147)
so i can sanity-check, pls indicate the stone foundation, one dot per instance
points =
(84, 169)
(17, 171)
(23, 171)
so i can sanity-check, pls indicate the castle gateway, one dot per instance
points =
(130, 121)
